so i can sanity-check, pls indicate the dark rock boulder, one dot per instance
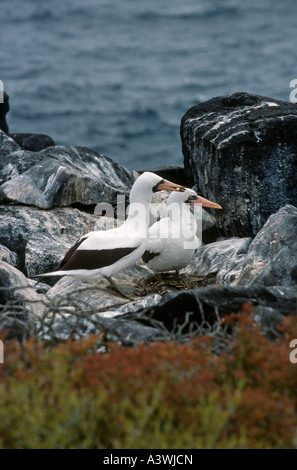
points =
(7, 145)
(4, 108)
(272, 256)
(61, 176)
(41, 238)
(189, 310)
(33, 142)
(14, 164)
(241, 150)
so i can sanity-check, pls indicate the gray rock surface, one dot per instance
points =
(41, 238)
(148, 301)
(77, 308)
(9, 256)
(96, 294)
(62, 176)
(225, 258)
(69, 295)
(12, 165)
(272, 256)
(17, 297)
(127, 332)
(7, 144)
(241, 150)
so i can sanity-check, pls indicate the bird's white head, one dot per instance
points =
(148, 183)
(189, 196)
(180, 198)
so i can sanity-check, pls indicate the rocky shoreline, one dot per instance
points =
(239, 150)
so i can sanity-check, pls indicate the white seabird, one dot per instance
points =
(172, 241)
(103, 253)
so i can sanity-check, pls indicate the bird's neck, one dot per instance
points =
(138, 216)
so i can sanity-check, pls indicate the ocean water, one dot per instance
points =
(118, 75)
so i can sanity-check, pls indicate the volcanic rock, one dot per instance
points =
(33, 142)
(9, 256)
(190, 310)
(7, 145)
(241, 150)
(17, 297)
(41, 238)
(12, 165)
(63, 176)
(225, 258)
(271, 259)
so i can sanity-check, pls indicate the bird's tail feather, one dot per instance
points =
(42, 277)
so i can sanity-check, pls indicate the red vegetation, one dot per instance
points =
(161, 395)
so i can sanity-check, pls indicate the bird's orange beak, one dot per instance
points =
(205, 203)
(169, 186)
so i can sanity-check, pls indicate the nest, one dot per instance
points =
(166, 282)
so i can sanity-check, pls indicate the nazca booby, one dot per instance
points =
(172, 241)
(103, 253)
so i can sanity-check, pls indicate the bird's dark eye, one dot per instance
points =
(155, 188)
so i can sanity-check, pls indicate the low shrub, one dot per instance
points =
(156, 396)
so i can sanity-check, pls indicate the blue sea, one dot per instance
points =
(118, 75)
